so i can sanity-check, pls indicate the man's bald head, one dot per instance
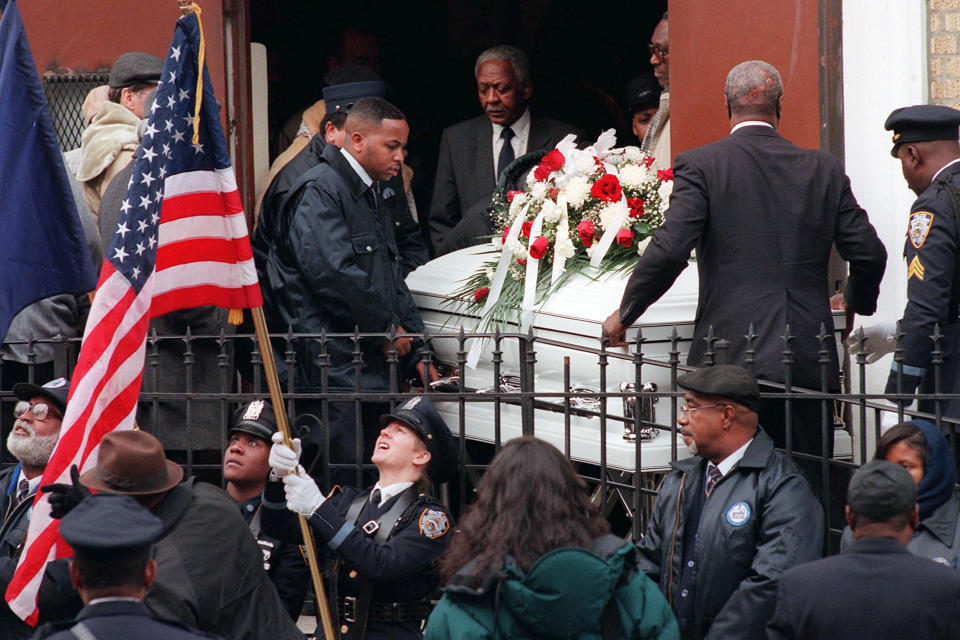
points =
(754, 89)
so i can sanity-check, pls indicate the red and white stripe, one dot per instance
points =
(203, 258)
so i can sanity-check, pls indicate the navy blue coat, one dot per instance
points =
(120, 619)
(875, 589)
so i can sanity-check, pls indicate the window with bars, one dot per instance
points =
(65, 94)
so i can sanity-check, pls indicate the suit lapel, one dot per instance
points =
(539, 137)
(483, 151)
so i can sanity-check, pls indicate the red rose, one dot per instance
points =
(522, 262)
(625, 238)
(553, 161)
(665, 175)
(586, 230)
(648, 161)
(636, 207)
(554, 193)
(506, 232)
(480, 294)
(541, 173)
(513, 193)
(607, 188)
(525, 228)
(538, 248)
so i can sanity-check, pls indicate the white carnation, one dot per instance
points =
(633, 154)
(550, 210)
(585, 164)
(538, 190)
(607, 215)
(666, 188)
(516, 248)
(518, 201)
(577, 191)
(565, 249)
(633, 176)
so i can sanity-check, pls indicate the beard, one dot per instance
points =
(691, 446)
(31, 450)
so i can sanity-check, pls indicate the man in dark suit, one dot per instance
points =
(876, 588)
(762, 214)
(474, 152)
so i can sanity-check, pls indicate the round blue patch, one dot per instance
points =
(738, 514)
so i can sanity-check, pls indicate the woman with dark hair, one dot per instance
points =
(920, 448)
(534, 558)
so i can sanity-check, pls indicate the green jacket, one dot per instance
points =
(564, 595)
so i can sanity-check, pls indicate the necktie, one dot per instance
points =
(506, 151)
(23, 489)
(714, 477)
(375, 497)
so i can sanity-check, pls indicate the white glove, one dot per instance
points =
(303, 494)
(880, 339)
(284, 460)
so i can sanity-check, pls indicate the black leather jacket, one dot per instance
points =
(760, 520)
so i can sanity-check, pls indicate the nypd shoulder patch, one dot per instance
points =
(920, 223)
(433, 523)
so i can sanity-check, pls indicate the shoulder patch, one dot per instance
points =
(920, 223)
(433, 523)
(915, 269)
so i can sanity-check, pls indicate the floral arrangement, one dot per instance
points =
(587, 210)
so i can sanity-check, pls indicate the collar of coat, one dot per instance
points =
(332, 156)
(942, 523)
(756, 456)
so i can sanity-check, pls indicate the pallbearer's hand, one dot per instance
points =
(284, 460)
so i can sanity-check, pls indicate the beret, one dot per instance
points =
(135, 67)
(724, 381)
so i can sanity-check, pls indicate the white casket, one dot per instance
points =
(567, 325)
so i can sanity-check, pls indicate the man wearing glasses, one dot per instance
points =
(34, 435)
(729, 520)
(656, 141)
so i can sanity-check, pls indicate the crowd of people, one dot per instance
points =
(733, 545)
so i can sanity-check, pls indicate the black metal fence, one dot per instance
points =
(612, 412)
(65, 94)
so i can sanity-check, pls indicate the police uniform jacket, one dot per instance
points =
(209, 570)
(57, 598)
(120, 619)
(933, 291)
(763, 215)
(875, 589)
(283, 561)
(334, 268)
(760, 519)
(402, 569)
(406, 231)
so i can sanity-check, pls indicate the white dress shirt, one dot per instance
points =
(367, 180)
(729, 462)
(751, 123)
(391, 490)
(521, 136)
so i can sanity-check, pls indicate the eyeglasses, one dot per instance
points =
(657, 51)
(684, 409)
(40, 411)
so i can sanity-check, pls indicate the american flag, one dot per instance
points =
(181, 241)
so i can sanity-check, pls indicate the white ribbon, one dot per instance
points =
(530, 279)
(563, 236)
(610, 233)
(496, 286)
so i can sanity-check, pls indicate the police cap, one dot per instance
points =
(922, 123)
(419, 414)
(643, 91)
(257, 419)
(109, 522)
(346, 85)
(880, 490)
(724, 381)
(56, 391)
(133, 68)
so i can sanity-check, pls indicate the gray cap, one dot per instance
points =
(880, 490)
(133, 68)
(724, 381)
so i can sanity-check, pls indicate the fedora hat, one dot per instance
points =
(133, 463)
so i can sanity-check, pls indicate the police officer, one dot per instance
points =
(382, 541)
(245, 470)
(111, 536)
(925, 142)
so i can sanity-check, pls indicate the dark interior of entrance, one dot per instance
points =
(582, 53)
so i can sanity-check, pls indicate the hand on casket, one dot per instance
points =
(614, 332)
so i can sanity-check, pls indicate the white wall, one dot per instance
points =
(884, 67)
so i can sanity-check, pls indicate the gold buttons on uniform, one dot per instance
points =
(352, 574)
(344, 629)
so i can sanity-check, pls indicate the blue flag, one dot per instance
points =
(42, 248)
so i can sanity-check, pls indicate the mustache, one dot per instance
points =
(26, 426)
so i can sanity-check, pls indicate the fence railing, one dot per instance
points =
(613, 412)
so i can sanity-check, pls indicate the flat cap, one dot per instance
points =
(57, 391)
(880, 490)
(135, 67)
(922, 123)
(257, 419)
(109, 522)
(643, 91)
(724, 381)
(346, 85)
(419, 414)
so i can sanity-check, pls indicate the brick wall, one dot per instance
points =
(944, 52)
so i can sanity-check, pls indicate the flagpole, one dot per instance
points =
(276, 398)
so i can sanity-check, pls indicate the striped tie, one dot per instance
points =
(713, 471)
